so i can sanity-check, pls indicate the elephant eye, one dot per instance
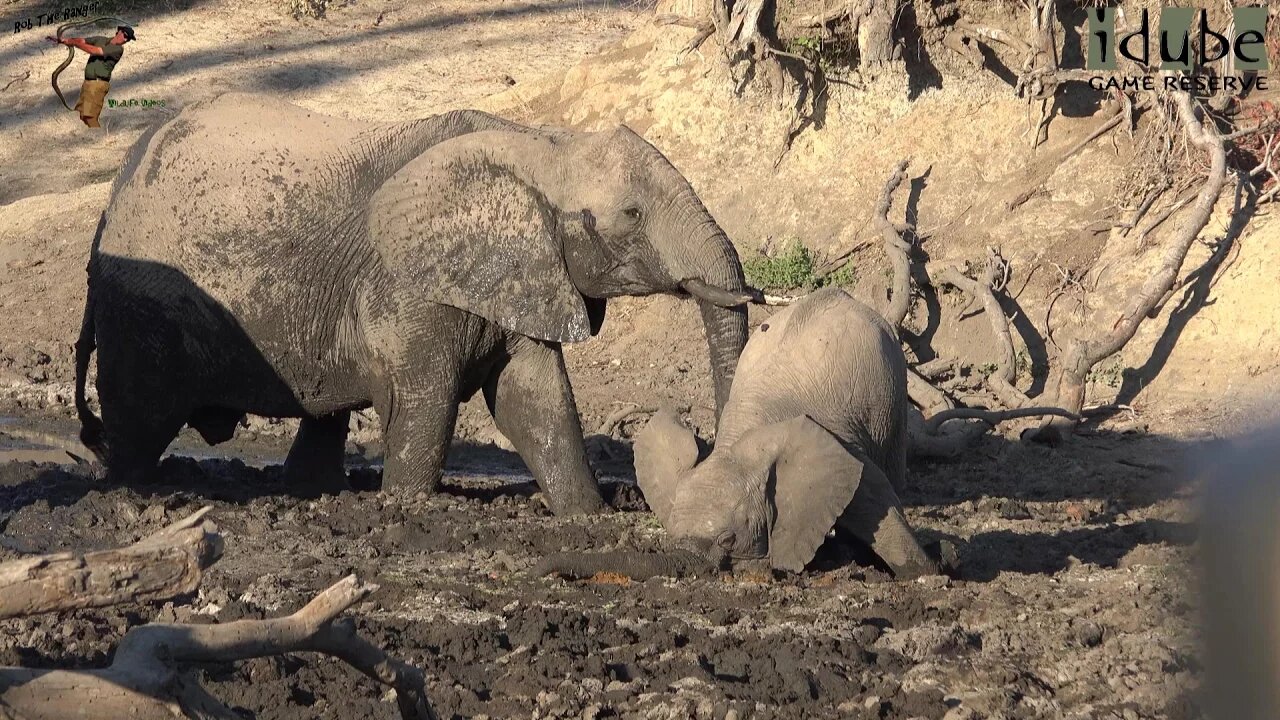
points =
(632, 212)
(726, 539)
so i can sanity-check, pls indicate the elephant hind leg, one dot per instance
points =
(875, 517)
(144, 404)
(316, 457)
(136, 436)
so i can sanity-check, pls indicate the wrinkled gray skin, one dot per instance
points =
(258, 257)
(813, 436)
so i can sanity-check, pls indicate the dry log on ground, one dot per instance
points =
(146, 678)
(992, 417)
(161, 566)
(929, 398)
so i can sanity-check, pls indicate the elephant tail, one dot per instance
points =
(90, 424)
(635, 565)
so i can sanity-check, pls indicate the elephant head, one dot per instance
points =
(534, 230)
(775, 494)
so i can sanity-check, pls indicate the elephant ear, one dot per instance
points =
(665, 450)
(466, 232)
(812, 480)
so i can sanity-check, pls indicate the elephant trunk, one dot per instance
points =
(711, 273)
(635, 565)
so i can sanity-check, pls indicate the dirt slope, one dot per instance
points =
(967, 138)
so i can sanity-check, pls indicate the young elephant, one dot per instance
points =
(813, 436)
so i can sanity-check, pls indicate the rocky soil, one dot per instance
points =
(1074, 597)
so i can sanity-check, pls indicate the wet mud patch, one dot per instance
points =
(1070, 603)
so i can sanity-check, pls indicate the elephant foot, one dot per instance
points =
(946, 555)
(316, 460)
(584, 503)
(943, 559)
(313, 476)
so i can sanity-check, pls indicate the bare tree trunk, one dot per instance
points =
(1079, 355)
(877, 48)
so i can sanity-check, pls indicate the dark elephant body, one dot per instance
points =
(257, 257)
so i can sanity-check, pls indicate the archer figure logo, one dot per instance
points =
(1171, 48)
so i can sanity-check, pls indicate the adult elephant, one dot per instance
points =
(259, 257)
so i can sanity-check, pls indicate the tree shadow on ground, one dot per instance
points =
(1194, 298)
(194, 63)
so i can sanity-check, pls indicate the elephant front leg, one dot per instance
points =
(417, 428)
(532, 404)
(316, 457)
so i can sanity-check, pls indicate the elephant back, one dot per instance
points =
(227, 182)
(250, 205)
(834, 359)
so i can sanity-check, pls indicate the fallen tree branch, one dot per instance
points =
(993, 417)
(994, 276)
(613, 419)
(927, 397)
(936, 368)
(146, 680)
(922, 444)
(161, 566)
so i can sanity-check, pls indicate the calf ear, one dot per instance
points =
(465, 232)
(665, 450)
(811, 481)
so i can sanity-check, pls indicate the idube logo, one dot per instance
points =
(1170, 49)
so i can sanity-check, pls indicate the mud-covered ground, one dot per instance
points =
(1073, 600)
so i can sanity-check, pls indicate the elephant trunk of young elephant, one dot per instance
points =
(634, 565)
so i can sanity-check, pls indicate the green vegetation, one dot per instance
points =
(1111, 374)
(794, 269)
(843, 277)
(823, 53)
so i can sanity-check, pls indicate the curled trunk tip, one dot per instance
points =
(635, 565)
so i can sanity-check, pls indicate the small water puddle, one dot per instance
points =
(57, 440)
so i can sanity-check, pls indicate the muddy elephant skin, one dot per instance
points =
(257, 257)
(813, 437)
